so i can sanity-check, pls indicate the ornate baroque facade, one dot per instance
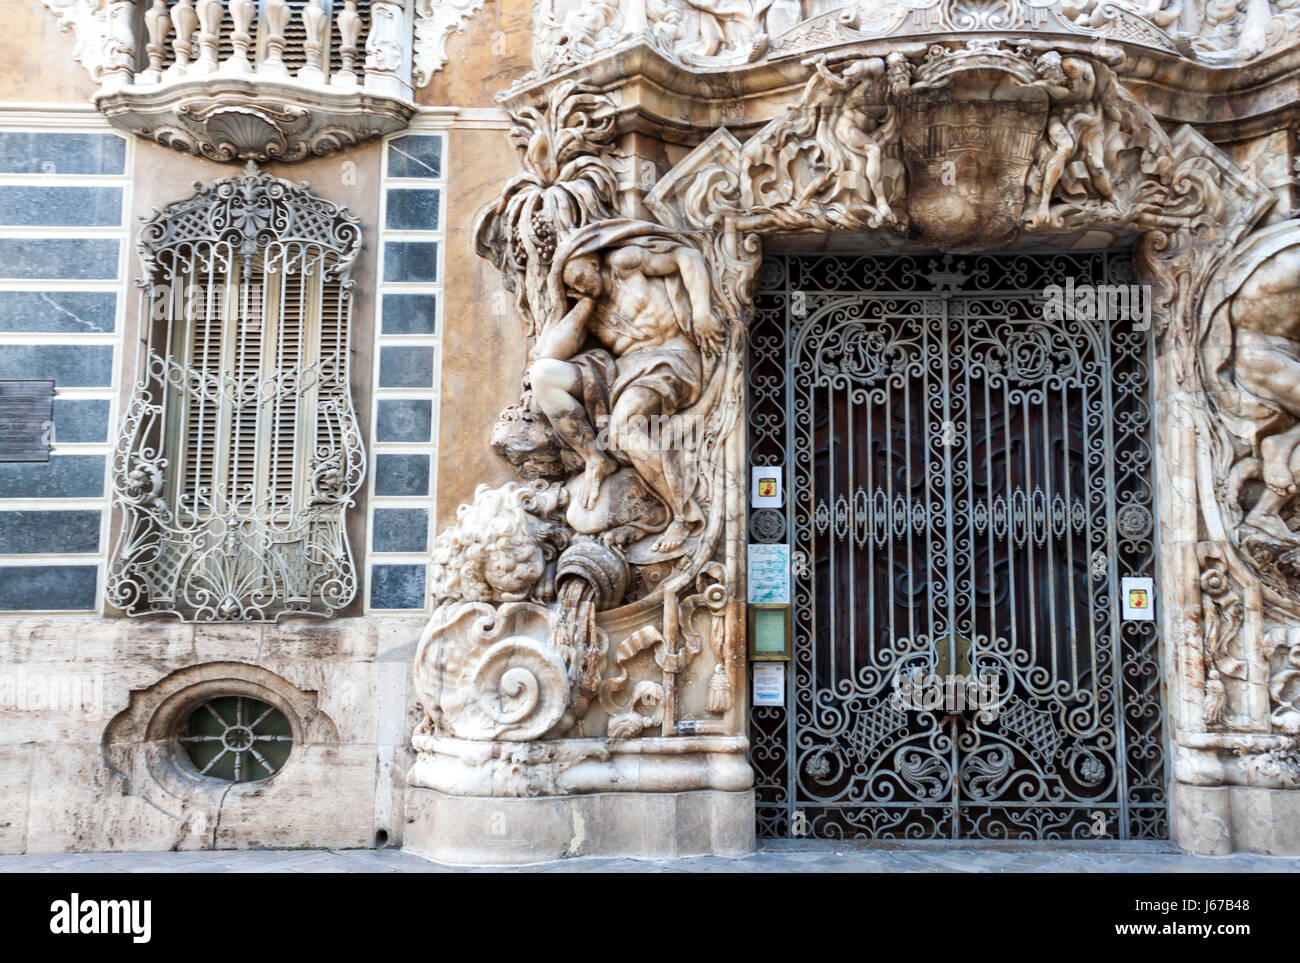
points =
(733, 234)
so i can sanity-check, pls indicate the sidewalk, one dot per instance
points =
(776, 858)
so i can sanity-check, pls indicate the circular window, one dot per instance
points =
(237, 739)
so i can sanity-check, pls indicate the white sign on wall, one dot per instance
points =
(765, 487)
(769, 685)
(769, 574)
(1138, 596)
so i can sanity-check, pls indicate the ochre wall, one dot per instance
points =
(495, 50)
(482, 342)
(37, 58)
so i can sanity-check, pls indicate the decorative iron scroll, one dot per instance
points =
(969, 482)
(240, 452)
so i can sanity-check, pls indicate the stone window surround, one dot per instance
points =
(141, 742)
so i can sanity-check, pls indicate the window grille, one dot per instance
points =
(240, 451)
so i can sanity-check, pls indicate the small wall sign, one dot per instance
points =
(1138, 597)
(769, 574)
(766, 487)
(769, 685)
(26, 417)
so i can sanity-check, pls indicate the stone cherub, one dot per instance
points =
(1074, 130)
(644, 298)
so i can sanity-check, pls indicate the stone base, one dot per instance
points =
(1217, 820)
(503, 831)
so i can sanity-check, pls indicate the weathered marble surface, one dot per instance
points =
(1057, 151)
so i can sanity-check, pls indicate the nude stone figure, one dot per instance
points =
(647, 304)
(1265, 314)
(1074, 129)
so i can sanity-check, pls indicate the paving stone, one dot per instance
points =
(781, 859)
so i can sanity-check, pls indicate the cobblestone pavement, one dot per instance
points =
(777, 858)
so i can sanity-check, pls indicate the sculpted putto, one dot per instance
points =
(831, 157)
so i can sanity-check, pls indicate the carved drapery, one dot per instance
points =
(627, 572)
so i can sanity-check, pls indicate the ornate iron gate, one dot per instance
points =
(969, 479)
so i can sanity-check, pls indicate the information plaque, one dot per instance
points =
(26, 420)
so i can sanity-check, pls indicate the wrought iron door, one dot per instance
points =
(969, 477)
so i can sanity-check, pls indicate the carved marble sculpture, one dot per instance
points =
(591, 607)
(731, 32)
(623, 438)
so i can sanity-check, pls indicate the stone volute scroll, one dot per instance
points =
(587, 636)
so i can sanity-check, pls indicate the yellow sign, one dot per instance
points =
(1138, 599)
(767, 487)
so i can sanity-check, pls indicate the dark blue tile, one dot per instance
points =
(410, 313)
(403, 420)
(409, 210)
(47, 588)
(397, 587)
(402, 475)
(30, 205)
(36, 152)
(401, 530)
(406, 366)
(410, 260)
(63, 476)
(415, 155)
(67, 365)
(76, 258)
(79, 422)
(84, 312)
(49, 532)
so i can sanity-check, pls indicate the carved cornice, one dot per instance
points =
(708, 34)
(658, 98)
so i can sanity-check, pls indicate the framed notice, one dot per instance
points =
(769, 633)
(769, 574)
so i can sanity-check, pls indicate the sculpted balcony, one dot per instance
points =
(273, 80)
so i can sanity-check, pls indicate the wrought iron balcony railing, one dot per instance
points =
(275, 79)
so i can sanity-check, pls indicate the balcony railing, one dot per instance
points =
(341, 44)
(257, 79)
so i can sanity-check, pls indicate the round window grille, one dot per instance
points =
(237, 739)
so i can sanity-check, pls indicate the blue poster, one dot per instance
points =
(769, 574)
